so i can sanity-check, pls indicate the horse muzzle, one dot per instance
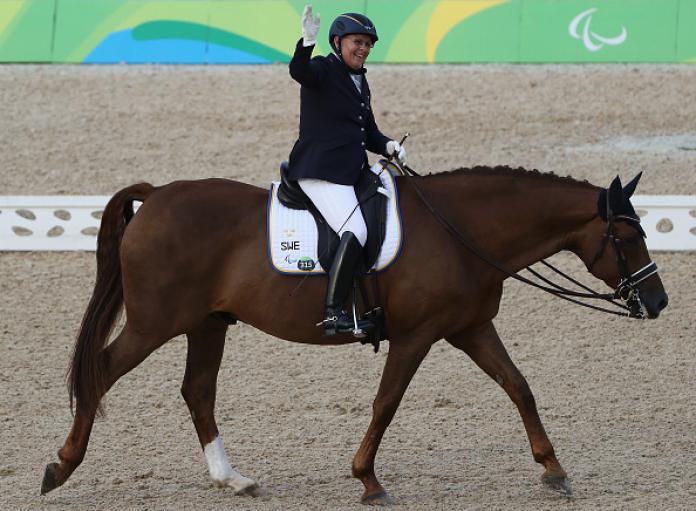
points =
(645, 305)
(654, 304)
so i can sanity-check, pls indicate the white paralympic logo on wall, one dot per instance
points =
(592, 40)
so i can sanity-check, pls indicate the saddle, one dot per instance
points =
(373, 204)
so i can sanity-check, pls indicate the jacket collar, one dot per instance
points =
(348, 71)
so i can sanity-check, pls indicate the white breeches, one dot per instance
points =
(338, 204)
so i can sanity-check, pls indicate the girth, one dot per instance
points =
(373, 205)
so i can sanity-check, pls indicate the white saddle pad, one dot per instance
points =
(293, 237)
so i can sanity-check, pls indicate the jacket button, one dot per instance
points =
(360, 117)
(362, 144)
(362, 129)
(362, 104)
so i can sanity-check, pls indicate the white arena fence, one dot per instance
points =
(71, 222)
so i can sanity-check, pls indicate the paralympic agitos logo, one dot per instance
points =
(590, 39)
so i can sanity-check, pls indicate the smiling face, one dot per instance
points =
(354, 49)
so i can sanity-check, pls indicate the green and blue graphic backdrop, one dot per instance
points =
(418, 31)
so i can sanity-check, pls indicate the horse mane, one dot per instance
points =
(504, 170)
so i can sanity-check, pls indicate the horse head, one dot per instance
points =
(613, 248)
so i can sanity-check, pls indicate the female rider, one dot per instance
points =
(337, 125)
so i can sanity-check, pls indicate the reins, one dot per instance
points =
(555, 289)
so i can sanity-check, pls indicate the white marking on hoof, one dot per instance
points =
(222, 473)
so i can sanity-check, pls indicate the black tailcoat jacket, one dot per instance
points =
(336, 121)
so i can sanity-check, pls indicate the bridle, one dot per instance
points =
(626, 291)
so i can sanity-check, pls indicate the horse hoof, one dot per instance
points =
(50, 479)
(559, 484)
(251, 491)
(377, 499)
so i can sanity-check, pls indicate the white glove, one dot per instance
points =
(396, 149)
(310, 26)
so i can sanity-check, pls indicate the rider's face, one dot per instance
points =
(354, 49)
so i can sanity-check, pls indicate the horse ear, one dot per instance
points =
(631, 187)
(616, 196)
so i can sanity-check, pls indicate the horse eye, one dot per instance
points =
(633, 240)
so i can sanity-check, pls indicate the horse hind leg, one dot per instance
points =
(128, 350)
(486, 349)
(205, 348)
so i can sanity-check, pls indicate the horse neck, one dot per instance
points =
(518, 218)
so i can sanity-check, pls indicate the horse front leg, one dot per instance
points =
(403, 360)
(486, 349)
(205, 348)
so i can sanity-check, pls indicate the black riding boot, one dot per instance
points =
(341, 278)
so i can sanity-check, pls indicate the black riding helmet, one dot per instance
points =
(351, 23)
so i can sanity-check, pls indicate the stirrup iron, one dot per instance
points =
(358, 332)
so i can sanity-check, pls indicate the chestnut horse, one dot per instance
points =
(195, 254)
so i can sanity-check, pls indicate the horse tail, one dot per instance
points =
(86, 374)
